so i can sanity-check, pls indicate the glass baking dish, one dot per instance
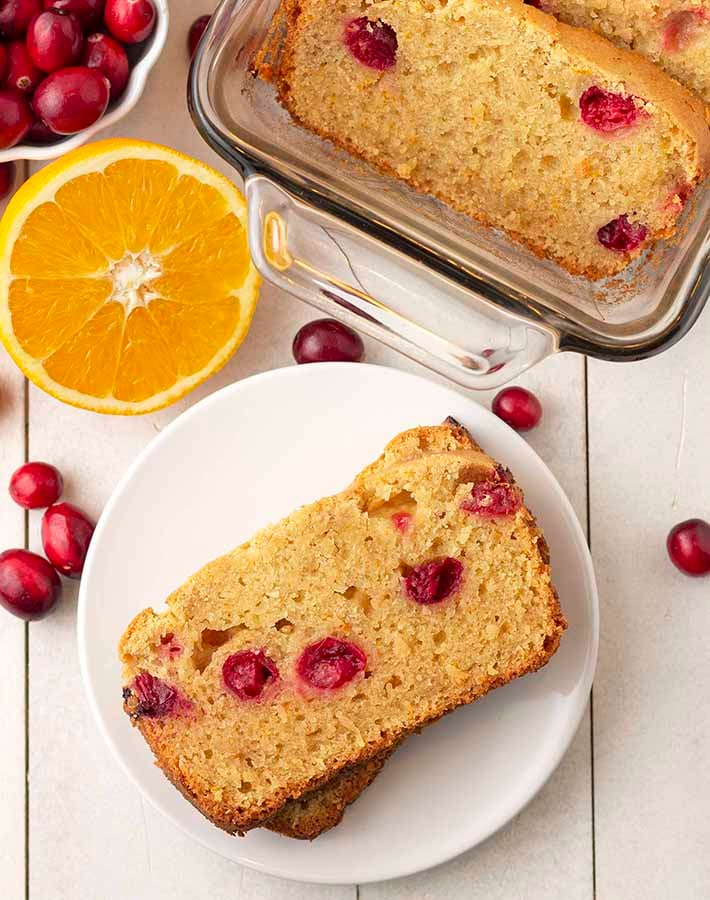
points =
(403, 267)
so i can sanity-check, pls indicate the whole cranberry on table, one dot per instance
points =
(518, 408)
(36, 485)
(66, 535)
(327, 340)
(29, 585)
(688, 547)
(197, 29)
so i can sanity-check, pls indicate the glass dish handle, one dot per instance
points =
(353, 277)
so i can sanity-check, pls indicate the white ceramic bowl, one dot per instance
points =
(150, 52)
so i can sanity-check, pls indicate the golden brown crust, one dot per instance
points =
(410, 445)
(318, 811)
(641, 77)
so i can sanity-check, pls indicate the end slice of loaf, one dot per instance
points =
(581, 150)
(350, 570)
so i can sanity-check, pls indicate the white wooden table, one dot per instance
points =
(626, 815)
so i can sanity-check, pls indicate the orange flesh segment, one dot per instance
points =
(88, 201)
(146, 365)
(97, 345)
(193, 207)
(42, 318)
(139, 189)
(51, 246)
(192, 332)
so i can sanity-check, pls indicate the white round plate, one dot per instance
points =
(250, 454)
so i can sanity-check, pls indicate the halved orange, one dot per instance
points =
(125, 277)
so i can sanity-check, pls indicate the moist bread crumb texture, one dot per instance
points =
(583, 151)
(330, 636)
(673, 33)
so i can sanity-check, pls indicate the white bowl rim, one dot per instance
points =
(132, 94)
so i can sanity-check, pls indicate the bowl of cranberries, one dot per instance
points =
(69, 68)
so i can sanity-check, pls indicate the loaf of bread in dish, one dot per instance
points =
(674, 34)
(583, 151)
(330, 636)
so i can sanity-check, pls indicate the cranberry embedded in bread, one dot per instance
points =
(505, 114)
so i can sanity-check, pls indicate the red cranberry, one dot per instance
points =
(197, 29)
(493, 497)
(102, 52)
(330, 663)
(7, 178)
(36, 485)
(70, 100)
(518, 408)
(536, 3)
(606, 111)
(54, 40)
(689, 547)
(681, 28)
(434, 581)
(41, 133)
(679, 196)
(3, 62)
(155, 697)
(325, 340)
(22, 74)
(130, 21)
(15, 16)
(15, 118)
(621, 235)
(372, 43)
(88, 12)
(402, 521)
(66, 535)
(248, 673)
(29, 586)
(170, 646)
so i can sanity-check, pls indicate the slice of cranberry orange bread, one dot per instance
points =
(354, 621)
(674, 34)
(583, 151)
